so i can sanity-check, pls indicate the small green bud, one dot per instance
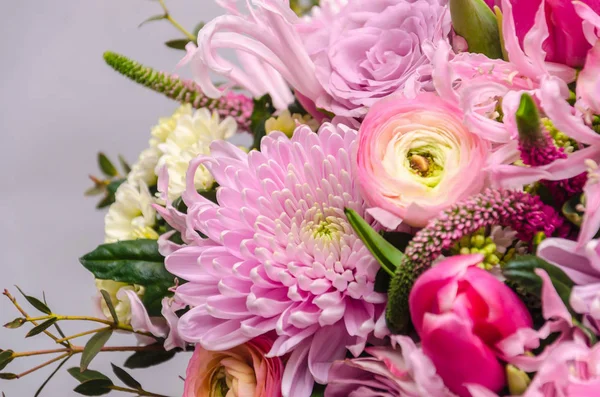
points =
(528, 118)
(477, 23)
(465, 251)
(492, 259)
(517, 380)
(478, 241)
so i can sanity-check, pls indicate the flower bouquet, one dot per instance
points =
(415, 214)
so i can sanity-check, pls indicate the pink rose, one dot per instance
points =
(566, 43)
(242, 371)
(460, 312)
(372, 49)
(416, 158)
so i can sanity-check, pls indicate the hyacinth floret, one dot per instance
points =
(231, 104)
(522, 212)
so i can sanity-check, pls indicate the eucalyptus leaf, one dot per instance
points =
(93, 347)
(110, 305)
(5, 358)
(148, 358)
(388, 256)
(88, 374)
(35, 302)
(133, 262)
(16, 323)
(38, 329)
(106, 201)
(106, 166)
(126, 378)
(8, 376)
(95, 387)
(94, 190)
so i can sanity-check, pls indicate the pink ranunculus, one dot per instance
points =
(566, 43)
(389, 372)
(460, 312)
(242, 371)
(416, 158)
(372, 49)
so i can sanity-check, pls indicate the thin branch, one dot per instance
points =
(173, 22)
(39, 352)
(93, 331)
(24, 313)
(55, 359)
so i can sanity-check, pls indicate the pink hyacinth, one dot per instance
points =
(279, 254)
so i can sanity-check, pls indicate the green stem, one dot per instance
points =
(176, 24)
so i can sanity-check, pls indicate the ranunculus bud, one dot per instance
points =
(460, 312)
(416, 158)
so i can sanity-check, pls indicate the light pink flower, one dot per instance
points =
(389, 372)
(588, 83)
(415, 159)
(373, 49)
(565, 42)
(279, 254)
(571, 370)
(460, 312)
(242, 371)
(343, 59)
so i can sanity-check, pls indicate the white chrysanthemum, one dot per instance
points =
(192, 137)
(144, 169)
(120, 302)
(131, 216)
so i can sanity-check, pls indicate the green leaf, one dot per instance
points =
(521, 270)
(41, 327)
(5, 358)
(133, 262)
(94, 191)
(36, 303)
(152, 19)
(110, 305)
(106, 201)
(477, 23)
(149, 358)
(8, 376)
(198, 28)
(93, 347)
(388, 256)
(16, 323)
(88, 374)
(106, 166)
(263, 110)
(125, 165)
(41, 388)
(114, 185)
(177, 44)
(126, 378)
(95, 387)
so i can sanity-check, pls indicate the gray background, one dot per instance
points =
(59, 105)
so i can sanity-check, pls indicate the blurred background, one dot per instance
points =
(60, 105)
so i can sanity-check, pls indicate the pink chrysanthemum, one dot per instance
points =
(279, 254)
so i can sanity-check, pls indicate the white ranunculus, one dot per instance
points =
(120, 302)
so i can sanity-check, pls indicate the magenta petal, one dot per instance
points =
(460, 357)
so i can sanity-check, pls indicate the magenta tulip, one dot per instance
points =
(460, 312)
(566, 43)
